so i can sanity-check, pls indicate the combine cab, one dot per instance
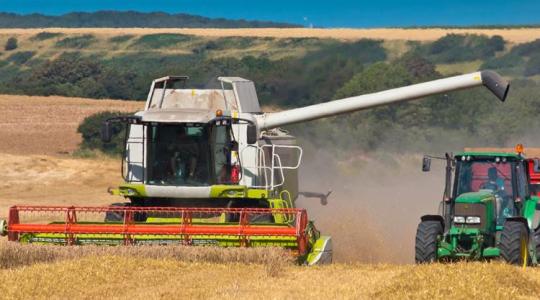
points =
(208, 167)
(487, 211)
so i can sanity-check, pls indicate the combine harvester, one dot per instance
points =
(488, 209)
(208, 167)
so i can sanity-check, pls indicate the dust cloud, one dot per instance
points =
(375, 205)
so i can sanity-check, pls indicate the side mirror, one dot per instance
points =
(426, 164)
(106, 132)
(252, 135)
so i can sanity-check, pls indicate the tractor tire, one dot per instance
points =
(426, 241)
(537, 241)
(514, 243)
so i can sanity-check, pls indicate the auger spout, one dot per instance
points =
(490, 79)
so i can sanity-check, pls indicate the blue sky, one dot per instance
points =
(328, 13)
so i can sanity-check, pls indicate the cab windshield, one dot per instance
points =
(188, 154)
(505, 179)
(485, 175)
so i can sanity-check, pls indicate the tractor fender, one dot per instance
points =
(433, 218)
(519, 219)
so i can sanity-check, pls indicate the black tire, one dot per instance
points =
(113, 216)
(514, 243)
(426, 241)
(537, 241)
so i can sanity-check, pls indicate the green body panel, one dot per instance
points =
(321, 251)
(489, 154)
(475, 197)
(529, 209)
(237, 191)
(216, 191)
(129, 190)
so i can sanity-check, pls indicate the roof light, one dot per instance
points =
(219, 113)
(519, 148)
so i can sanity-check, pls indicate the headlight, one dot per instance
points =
(473, 220)
(459, 219)
(129, 192)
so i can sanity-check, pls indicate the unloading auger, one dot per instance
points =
(208, 167)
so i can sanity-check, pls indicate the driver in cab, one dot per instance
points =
(496, 184)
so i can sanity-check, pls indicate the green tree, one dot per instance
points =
(90, 129)
(11, 44)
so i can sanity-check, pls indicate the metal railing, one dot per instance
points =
(271, 175)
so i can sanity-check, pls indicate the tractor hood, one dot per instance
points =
(476, 197)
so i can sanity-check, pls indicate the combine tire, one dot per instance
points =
(426, 241)
(514, 243)
(113, 216)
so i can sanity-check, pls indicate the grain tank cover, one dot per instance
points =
(244, 91)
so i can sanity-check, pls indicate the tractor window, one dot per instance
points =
(521, 182)
(178, 155)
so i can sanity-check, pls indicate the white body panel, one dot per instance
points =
(134, 163)
(177, 191)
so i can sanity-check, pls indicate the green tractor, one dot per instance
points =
(487, 210)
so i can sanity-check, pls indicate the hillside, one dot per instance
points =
(297, 67)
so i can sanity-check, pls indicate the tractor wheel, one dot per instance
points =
(426, 241)
(537, 241)
(514, 243)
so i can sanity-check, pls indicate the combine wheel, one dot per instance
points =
(426, 241)
(514, 243)
(113, 216)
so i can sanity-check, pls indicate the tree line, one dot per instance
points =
(128, 19)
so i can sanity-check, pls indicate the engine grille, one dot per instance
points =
(471, 209)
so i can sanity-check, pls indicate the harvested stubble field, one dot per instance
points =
(38, 171)
(48, 125)
(209, 273)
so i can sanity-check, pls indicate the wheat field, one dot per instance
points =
(209, 273)
(514, 35)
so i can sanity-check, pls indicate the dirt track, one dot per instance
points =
(518, 35)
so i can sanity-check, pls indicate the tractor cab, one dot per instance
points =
(503, 176)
